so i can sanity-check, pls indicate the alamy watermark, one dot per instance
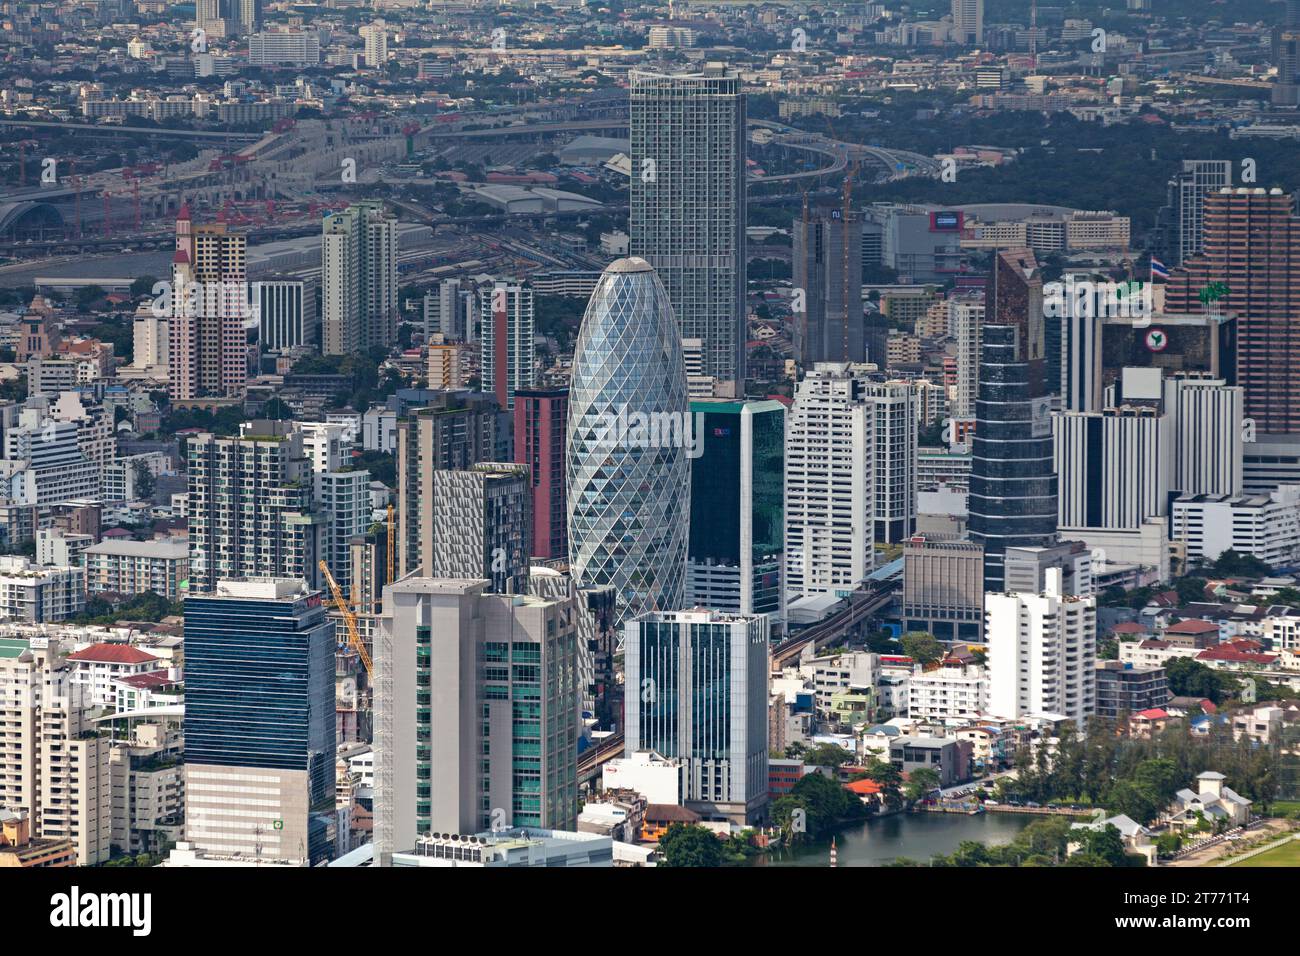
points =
(622, 427)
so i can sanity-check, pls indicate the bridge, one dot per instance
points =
(594, 758)
(147, 130)
(862, 604)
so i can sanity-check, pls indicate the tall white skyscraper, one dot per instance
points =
(358, 279)
(1208, 445)
(894, 439)
(508, 356)
(688, 206)
(1042, 651)
(965, 323)
(829, 482)
(376, 36)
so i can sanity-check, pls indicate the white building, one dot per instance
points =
(652, 775)
(1113, 467)
(894, 442)
(284, 48)
(836, 674)
(1042, 652)
(376, 37)
(829, 483)
(29, 592)
(1265, 526)
(98, 667)
(948, 692)
(135, 567)
(965, 325)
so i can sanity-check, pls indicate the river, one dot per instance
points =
(918, 836)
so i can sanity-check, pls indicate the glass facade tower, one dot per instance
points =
(628, 470)
(259, 697)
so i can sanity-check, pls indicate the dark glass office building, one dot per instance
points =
(737, 525)
(259, 720)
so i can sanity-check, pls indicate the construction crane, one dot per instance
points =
(349, 620)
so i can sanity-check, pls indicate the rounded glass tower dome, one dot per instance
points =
(629, 433)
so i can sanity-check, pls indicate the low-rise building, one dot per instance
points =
(1125, 689)
(135, 567)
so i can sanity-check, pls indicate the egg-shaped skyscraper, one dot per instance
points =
(629, 439)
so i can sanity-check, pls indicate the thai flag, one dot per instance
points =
(1158, 268)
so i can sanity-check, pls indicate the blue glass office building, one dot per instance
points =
(259, 696)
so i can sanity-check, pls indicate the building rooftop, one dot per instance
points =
(112, 654)
(171, 549)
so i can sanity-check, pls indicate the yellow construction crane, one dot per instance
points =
(349, 619)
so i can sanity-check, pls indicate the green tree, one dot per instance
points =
(686, 845)
(920, 782)
(827, 755)
(922, 647)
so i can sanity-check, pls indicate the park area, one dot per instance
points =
(1288, 854)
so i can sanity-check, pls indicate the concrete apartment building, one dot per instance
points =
(1042, 650)
(54, 765)
(37, 594)
(134, 567)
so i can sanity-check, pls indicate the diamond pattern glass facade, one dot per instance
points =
(629, 487)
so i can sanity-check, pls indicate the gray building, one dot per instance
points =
(1125, 689)
(687, 214)
(476, 712)
(828, 270)
(478, 524)
(943, 588)
(698, 691)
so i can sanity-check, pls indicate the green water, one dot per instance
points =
(917, 836)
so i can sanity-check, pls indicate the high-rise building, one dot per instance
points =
(286, 313)
(259, 722)
(1042, 653)
(966, 325)
(358, 279)
(541, 418)
(250, 506)
(628, 472)
(968, 21)
(737, 504)
(698, 692)
(894, 444)
(1012, 497)
(452, 432)
(828, 271)
(449, 311)
(1208, 434)
(207, 352)
(1184, 212)
(54, 765)
(1113, 466)
(343, 498)
(508, 361)
(477, 524)
(1250, 265)
(375, 36)
(687, 214)
(829, 482)
(476, 712)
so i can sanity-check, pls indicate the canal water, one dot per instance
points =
(917, 836)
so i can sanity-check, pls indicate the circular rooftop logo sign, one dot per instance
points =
(1157, 340)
